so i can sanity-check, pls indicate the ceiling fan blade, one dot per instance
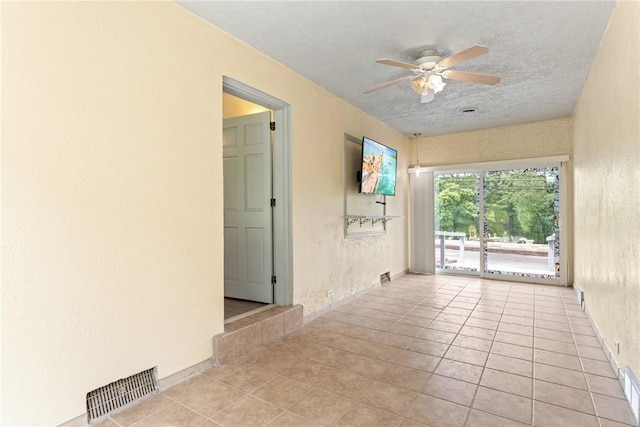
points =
(388, 84)
(465, 76)
(465, 55)
(398, 64)
(427, 97)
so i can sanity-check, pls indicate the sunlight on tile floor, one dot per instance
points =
(419, 351)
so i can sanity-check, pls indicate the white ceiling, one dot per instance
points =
(542, 50)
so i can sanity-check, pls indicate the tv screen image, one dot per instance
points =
(379, 168)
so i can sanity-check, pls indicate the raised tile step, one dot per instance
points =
(243, 335)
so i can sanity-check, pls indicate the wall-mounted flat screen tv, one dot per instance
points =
(379, 168)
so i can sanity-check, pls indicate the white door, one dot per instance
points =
(248, 262)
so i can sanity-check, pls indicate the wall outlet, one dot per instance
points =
(330, 293)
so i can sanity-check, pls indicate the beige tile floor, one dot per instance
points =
(419, 351)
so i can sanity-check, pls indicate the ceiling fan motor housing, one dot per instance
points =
(427, 59)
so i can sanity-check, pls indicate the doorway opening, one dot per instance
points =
(257, 227)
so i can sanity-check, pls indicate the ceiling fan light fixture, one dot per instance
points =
(427, 96)
(419, 84)
(435, 82)
(423, 84)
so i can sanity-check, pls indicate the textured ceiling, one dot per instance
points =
(542, 50)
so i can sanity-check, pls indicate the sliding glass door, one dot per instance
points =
(499, 222)
(521, 214)
(457, 226)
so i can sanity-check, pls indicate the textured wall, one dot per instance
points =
(539, 139)
(607, 185)
(323, 259)
(112, 196)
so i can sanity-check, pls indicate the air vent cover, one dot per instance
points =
(105, 400)
(632, 392)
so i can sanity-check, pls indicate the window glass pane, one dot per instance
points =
(521, 209)
(457, 221)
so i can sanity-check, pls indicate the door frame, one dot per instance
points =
(559, 161)
(282, 234)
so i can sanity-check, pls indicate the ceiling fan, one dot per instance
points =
(429, 70)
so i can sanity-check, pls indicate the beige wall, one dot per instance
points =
(112, 196)
(607, 185)
(539, 139)
(323, 259)
(232, 106)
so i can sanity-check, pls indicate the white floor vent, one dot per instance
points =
(106, 400)
(632, 392)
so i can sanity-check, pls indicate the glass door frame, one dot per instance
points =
(480, 168)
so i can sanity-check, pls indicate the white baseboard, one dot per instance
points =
(185, 374)
(399, 275)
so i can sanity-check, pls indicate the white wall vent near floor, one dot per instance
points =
(580, 295)
(105, 400)
(632, 392)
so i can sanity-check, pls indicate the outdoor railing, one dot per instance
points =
(551, 261)
(442, 235)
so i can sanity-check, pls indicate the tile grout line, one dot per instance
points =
(475, 393)
(362, 351)
(470, 407)
(569, 386)
(533, 363)
(448, 345)
(584, 375)
(457, 334)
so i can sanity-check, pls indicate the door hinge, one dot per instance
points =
(272, 125)
(273, 203)
(273, 279)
